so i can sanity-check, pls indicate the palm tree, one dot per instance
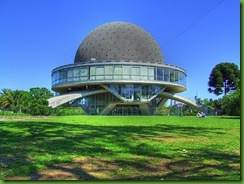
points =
(14, 100)
(6, 98)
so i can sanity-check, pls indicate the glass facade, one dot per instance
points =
(117, 72)
(152, 105)
(94, 104)
(135, 92)
(130, 89)
(126, 110)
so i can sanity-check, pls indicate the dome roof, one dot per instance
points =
(119, 41)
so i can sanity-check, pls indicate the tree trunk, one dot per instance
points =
(225, 86)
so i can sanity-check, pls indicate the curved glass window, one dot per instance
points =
(135, 73)
(176, 76)
(84, 73)
(150, 73)
(76, 74)
(144, 73)
(92, 73)
(99, 72)
(118, 72)
(160, 75)
(166, 75)
(70, 75)
(108, 72)
(126, 72)
(135, 92)
(63, 76)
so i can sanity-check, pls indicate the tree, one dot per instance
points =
(209, 103)
(20, 101)
(38, 101)
(189, 111)
(217, 106)
(163, 110)
(223, 76)
(14, 100)
(6, 98)
(231, 103)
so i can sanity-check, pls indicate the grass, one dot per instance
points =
(120, 148)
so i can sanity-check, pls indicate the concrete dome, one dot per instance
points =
(119, 41)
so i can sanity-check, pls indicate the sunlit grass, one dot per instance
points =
(122, 147)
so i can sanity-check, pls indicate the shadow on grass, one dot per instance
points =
(27, 145)
(224, 167)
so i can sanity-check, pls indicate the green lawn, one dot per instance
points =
(124, 147)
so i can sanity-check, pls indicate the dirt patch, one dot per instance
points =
(54, 174)
(101, 169)
(66, 171)
(237, 151)
(132, 168)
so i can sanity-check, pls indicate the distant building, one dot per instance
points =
(118, 70)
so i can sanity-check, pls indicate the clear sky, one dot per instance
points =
(193, 34)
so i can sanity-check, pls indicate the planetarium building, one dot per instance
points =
(118, 70)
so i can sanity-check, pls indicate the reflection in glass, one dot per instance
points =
(118, 72)
(159, 73)
(126, 72)
(166, 75)
(126, 110)
(70, 75)
(94, 104)
(135, 72)
(135, 92)
(108, 72)
(76, 74)
(99, 72)
(92, 73)
(144, 73)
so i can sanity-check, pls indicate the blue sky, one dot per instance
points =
(195, 35)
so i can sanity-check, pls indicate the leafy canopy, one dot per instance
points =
(33, 102)
(223, 78)
(15, 100)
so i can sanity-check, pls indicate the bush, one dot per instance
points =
(231, 104)
(67, 111)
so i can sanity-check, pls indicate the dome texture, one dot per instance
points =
(119, 41)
